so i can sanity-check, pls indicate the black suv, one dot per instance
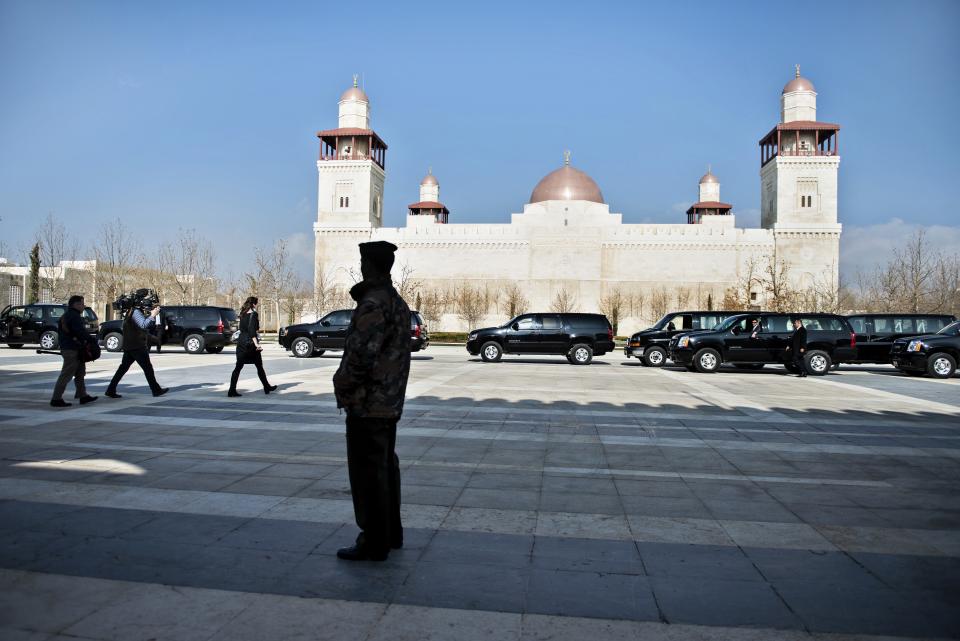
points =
(579, 337)
(650, 345)
(37, 323)
(876, 333)
(933, 354)
(330, 332)
(829, 338)
(198, 328)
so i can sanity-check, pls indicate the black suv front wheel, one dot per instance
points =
(817, 362)
(707, 360)
(49, 340)
(941, 365)
(302, 348)
(113, 342)
(655, 356)
(491, 352)
(580, 354)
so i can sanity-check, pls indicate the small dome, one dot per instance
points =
(708, 178)
(799, 83)
(566, 183)
(429, 179)
(354, 94)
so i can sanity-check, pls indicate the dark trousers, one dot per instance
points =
(375, 480)
(798, 362)
(142, 358)
(253, 357)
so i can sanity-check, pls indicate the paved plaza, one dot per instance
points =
(541, 501)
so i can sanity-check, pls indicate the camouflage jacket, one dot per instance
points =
(372, 378)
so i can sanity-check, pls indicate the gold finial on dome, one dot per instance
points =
(566, 157)
(798, 70)
(356, 77)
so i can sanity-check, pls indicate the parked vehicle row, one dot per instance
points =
(700, 340)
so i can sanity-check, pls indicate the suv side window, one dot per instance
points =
(709, 321)
(824, 323)
(859, 324)
(550, 321)
(195, 315)
(337, 319)
(19, 313)
(777, 324)
(527, 323)
(54, 313)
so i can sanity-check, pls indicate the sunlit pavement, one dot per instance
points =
(541, 501)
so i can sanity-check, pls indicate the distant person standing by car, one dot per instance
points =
(798, 346)
(136, 348)
(249, 348)
(73, 338)
(159, 329)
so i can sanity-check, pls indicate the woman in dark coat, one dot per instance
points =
(249, 348)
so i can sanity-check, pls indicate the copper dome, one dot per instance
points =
(355, 94)
(708, 178)
(566, 183)
(799, 83)
(429, 179)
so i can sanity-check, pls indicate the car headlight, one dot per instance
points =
(916, 346)
(472, 336)
(684, 341)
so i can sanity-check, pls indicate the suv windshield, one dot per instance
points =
(953, 329)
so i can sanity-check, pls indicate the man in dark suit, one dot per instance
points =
(798, 346)
(371, 384)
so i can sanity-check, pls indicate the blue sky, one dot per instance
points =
(203, 114)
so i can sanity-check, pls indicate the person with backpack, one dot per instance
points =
(249, 348)
(73, 340)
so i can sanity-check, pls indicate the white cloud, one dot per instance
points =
(864, 247)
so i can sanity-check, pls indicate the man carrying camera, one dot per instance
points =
(73, 338)
(136, 348)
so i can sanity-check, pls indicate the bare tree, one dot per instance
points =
(612, 306)
(659, 303)
(776, 280)
(740, 295)
(563, 301)
(471, 305)
(326, 294)
(275, 278)
(57, 280)
(636, 301)
(405, 283)
(118, 255)
(432, 303)
(683, 297)
(189, 261)
(514, 302)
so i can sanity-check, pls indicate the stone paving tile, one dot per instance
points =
(721, 602)
(465, 586)
(611, 596)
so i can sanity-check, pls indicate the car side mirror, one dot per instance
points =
(736, 329)
(515, 327)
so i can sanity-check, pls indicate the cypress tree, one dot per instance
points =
(34, 275)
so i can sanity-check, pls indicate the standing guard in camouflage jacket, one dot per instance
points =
(370, 384)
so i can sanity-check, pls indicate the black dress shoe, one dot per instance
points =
(88, 399)
(161, 391)
(234, 392)
(269, 388)
(362, 553)
(110, 394)
(60, 403)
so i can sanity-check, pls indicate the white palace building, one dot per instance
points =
(567, 239)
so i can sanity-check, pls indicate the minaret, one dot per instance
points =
(429, 209)
(799, 166)
(351, 167)
(709, 203)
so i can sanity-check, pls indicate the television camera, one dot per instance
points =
(142, 299)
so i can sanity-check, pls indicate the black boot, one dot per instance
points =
(234, 392)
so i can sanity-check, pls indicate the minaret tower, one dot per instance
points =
(351, 167)
(709, 203)
(429, 209)
(799, 165)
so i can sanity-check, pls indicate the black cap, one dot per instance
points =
(379, 253)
